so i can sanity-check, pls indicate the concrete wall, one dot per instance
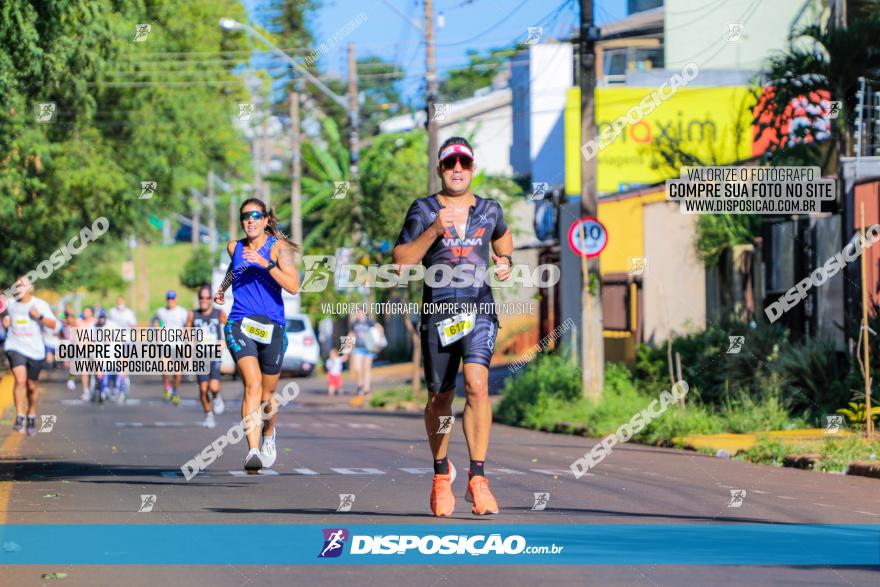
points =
(674, 281)
(698, 31)
(540, 77)
(487, 119)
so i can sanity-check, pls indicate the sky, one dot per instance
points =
(468, 25)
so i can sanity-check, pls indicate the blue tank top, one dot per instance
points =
(254, 291)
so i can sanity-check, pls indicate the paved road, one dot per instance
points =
(99, 459)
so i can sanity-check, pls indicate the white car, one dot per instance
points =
(302, 354)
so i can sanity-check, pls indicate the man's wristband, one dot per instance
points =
(509, 259)
(272, 265)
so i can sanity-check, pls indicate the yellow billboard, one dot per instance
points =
(713, 124)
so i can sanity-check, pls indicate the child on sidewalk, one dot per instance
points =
(334, 372)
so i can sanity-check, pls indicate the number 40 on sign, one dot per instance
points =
(590, 240)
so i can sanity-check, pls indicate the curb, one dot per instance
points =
(864, 469)
(8, 447)
(807, 461)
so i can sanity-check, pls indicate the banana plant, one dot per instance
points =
(857, 413)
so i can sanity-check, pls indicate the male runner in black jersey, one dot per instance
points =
(455, 228)
(211, 320)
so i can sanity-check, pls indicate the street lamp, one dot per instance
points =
(233, 25)
(230, 24)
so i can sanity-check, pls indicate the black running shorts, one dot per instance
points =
(251, 338)
(214, 373)
(442, 363)
(33, 366)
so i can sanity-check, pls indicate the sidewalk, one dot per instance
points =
(733, 443)
(10, 441)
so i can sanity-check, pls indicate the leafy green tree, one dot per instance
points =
(819, 58)
(198, 269)
(327, 220)
(378, 84)
(462, 82)
(126, 112)
(393, 174)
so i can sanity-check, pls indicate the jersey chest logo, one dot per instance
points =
(454, 242)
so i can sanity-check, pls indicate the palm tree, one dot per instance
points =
(820, 60)
(325, 162)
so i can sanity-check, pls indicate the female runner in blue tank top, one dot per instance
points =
(262, 264)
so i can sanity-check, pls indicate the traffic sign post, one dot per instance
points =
(587, 237)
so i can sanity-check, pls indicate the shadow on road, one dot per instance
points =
(21, 469)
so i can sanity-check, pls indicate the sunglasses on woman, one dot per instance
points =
(253, 215)
(449, 163)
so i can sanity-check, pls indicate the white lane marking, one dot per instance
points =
(238, 473)
(304, 471)
(353, 425)
(130, 424)
(866, 513)
(556, 472)
(427, 470)
(287, 424)
(756, 491)
(823, 505)
(168, 424)
(357, 471)
(130, 402)
(652, 474)
(786, 497)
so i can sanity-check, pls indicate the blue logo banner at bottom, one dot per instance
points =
(326, 544)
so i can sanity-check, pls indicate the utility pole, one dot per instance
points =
(295, 172)
(351, 106)
(267, 158)
(591, 340)
(255, 160)
(212, 213)
(142, 272)
(233, 216)
(196, 219)
(431, 77)
(354, 145)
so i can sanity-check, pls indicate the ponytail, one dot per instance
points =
(272, 228)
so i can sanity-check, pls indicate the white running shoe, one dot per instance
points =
(86, 396)
(219, 406)
(209, 420)
(71, 385)
(252, 461)
(267, 450)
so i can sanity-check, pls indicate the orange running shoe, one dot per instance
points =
(478, 494)
(442, 499)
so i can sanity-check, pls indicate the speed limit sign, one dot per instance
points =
(589, 241)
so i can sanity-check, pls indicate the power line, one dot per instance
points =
(503, 20)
